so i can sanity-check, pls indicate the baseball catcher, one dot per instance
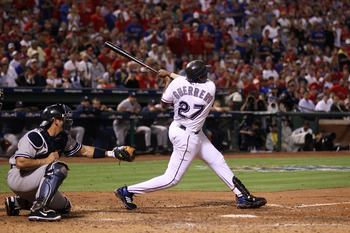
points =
(36, 172)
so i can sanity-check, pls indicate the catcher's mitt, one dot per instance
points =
(125, 153)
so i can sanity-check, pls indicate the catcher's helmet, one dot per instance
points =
(196, 69)
(1, 98)
(59, 111)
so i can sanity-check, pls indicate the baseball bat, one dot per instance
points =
(127, 55)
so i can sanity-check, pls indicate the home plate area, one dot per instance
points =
(182, 211)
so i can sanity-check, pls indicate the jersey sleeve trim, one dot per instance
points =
(166, 101)
(22, 155)
(76, 148)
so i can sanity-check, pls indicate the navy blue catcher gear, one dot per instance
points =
(196, 69)
(59, 111)
(56, 172)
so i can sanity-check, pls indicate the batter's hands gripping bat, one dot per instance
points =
(127, 55)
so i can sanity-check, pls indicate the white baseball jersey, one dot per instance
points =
(192, 101)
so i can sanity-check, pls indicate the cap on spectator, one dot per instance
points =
(256, 81)
(143, 69)
(132, 94)
(246, 66)
(195, 15)
(236, 97)
(66, 71)
(89, 49)
(84, 98)
(195, 24)
(33, 60)
(23, 44)
(22, 56)
(52, 40)
(347, 41)
(154, 45)
(34, 52)
(152, 102)
(11, 45)
(61, 30)
(275, 40)
(14, 53)
(53, 70)
(19, 104)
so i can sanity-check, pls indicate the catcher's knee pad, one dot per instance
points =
(55, 174)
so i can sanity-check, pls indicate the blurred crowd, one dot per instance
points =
(273, 54)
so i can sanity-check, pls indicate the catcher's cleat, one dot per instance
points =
(126, 197)
(250, 202)
(44, 214)
(11, 209)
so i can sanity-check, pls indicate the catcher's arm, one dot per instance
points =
(125, 153)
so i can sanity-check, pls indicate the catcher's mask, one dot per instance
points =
(1, 98)
(195, 70)
(58, 111)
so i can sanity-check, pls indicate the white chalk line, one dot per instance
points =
(325, 204)
(238, 216)
(311, 205)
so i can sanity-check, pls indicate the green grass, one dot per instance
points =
(108, 176)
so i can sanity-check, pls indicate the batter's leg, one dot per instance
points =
(185, 149)
(216, 161)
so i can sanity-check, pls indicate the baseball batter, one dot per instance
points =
(192, 97)
(36, 172)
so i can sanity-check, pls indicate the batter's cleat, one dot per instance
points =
(44, 214)
(126, 197)
(250, 202)
(11, 209)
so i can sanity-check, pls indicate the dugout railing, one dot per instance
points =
(230, 122)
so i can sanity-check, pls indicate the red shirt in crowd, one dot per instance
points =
(341, 91)
(105, 59)
(195, 46)
(98, 21)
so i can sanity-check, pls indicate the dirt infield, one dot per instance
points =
(322, 210)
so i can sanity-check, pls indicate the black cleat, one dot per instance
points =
(126, 197)
(44, 214)
(250, 202)
(11, 209)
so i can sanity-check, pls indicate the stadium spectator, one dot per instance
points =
(324, 105)
(305, 104)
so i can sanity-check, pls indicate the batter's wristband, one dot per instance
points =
(99, 153)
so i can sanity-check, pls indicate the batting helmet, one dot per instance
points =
(196, 69)
(58, 111)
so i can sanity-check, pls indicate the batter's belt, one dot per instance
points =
(184, 128)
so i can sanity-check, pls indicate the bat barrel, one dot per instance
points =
(127, 55)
